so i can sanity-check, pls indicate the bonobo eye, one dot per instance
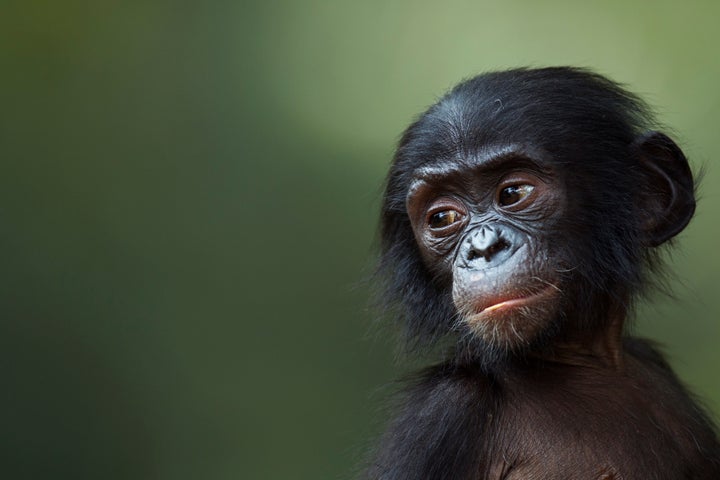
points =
(444, 218)
(440, 218)
(513, 194)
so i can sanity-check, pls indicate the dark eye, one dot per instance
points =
(514, 194)
(444, 218)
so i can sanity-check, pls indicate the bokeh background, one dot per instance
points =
(188, 203)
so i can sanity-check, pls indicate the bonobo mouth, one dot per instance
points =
(546, 293)
(518, 302)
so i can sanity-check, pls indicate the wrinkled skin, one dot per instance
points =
(488, 240)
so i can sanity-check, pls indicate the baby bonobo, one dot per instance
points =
(522, 218)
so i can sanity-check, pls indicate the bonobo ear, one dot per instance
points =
(668, 195)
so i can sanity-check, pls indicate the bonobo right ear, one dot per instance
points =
(668, 195)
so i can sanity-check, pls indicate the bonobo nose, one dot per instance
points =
(485, 246)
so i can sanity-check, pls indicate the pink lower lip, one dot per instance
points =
(516, 301)
(501, 304)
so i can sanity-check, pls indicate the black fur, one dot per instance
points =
(546, 410)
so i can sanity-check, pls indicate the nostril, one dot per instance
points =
(495, 248)
(486, 249)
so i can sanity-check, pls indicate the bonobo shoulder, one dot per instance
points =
(439, 432)
(453, 380)
(647, 352)
(463, 388)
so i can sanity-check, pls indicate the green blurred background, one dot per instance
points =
(188, 209)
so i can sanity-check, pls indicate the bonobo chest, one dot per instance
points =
(561, 421)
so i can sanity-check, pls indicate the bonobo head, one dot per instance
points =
(524, 208)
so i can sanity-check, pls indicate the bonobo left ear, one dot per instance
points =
(667, 197)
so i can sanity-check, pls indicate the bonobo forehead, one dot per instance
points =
(487, 159)
(564, 111)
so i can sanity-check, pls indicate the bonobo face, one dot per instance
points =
(524, 208)
(482, 225)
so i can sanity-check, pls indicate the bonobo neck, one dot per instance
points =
(598, 347)
(602, 347)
